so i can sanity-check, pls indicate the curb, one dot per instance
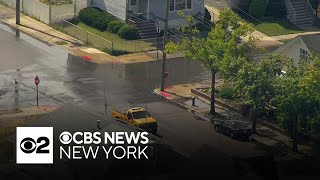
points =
(184, 107)
(223, 104)
(254, 140)
(29, 34)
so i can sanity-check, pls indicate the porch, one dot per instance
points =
(140, 8)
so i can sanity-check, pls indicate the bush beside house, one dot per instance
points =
(242, 4)
(128, 32)
(258, 8)
(103, 21)
(276, 9)
(114, 26)
(96, 18)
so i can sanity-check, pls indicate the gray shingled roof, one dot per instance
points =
(312, 41)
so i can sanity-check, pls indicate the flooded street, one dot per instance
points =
(74, 80)
(68, 80)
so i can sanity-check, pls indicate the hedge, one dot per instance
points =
(88, 15)
(115, 52)
(277, 9)
(114, 26)
(258, 8)
(96, 18)
(128, 32)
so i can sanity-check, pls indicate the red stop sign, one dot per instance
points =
(36, 80)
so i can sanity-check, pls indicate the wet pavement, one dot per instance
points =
(65, 78)
(78, 81)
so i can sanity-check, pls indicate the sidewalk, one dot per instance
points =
(51, 36)
(10, 119)
(180, 95)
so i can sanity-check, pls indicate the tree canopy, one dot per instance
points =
(297, 95)
(220, 49)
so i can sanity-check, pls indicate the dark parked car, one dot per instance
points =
(232, 128)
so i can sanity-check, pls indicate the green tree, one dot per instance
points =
(258, 8)
(219, 49)
(297, 98)
(254, 82)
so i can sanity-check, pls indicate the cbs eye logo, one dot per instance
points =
(29, 145)
(34, 145)
(65, 137)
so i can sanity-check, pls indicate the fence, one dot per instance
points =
(61, 18)
(68, 11)
(80, 33)
(120, 46)
(32, 8)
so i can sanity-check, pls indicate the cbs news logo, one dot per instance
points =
(34, 145)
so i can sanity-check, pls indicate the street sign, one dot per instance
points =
(36, 81)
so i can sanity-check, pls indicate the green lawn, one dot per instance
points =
(277, 28)
(271, 27)
(103, 40)
(61, 2)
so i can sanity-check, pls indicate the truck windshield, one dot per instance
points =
(140, 114)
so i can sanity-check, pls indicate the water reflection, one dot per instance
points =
(142, 75)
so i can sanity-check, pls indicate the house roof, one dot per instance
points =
(312, 41)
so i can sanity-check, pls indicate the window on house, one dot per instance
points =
(171, 5)
(178, 5)
(133, 2)
(189, 4)
(303, 54)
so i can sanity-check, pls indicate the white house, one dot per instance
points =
(300, 47)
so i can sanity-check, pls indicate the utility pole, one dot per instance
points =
(75, 8)
(164, 55)
(18, 12)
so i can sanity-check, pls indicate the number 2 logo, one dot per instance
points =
(29, 145)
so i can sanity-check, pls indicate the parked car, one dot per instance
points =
(233, 128)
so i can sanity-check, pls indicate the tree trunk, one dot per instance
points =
(294, 134)
(253, 119)
(213, 89)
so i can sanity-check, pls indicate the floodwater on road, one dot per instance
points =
(76, 80)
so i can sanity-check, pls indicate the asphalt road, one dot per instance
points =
(68, 79)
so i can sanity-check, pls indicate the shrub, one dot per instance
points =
(203, 27)
(317, 23)
(258, 8)
(114, 26)
(277, 9)
(95, 18)
(88, 15)
(115, 52)
(128, 32)
(74, 21)
(227, 92)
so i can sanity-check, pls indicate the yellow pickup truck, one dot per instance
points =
(139, 117)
